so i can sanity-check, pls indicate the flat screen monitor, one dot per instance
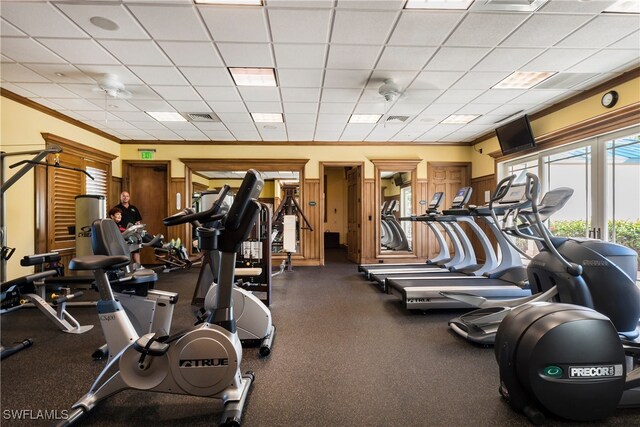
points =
(515, 136)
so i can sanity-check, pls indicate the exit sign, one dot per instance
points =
(146, 155)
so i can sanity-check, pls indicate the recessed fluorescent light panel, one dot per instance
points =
(267, 117)
(253, 76)
(236, 2)
(624, 6)
(524, 79)
(438, 4)
(166, 116)
(460, 119)
(364, 118)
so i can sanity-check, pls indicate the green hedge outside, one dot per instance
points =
(627, 232)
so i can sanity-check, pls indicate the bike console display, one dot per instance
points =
(462, 198)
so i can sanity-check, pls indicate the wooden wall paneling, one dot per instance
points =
(420, 230)
(480, 185)
(369, 222)
(177, 185)
(312, 192)
(114, 192)
(41, 209)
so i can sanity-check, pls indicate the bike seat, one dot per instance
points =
(152, 344)
(97, 262)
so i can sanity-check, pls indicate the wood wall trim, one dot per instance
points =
(78, 148)
(239, 164)
(607, 122)
(53, 113)
(298, 143)
(396, 163)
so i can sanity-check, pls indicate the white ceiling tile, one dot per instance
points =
(537, 96)
(148, 123)
(100, 116)
(506, 59)
(485, 29)
(192, 54)
(170, 22)
(336, 107)
(435, 80)
(476, 108)
(137, 134)
(606, 60)
(128, 27)
(223, 23)
(371, 108)
(327, 136)
(401, 78)
(28, 50)
(249, 126)
(300, 135)
(233, 117)
(205, 76)
(250, 93)
(75, 115)
(632, 41)
(210, 93)
(577, 6)
(410, 29)
(264, 107)
(602, 31)
(180, 126)
(315, 4)
(87, 91)
(45, 102)
(340, 95)
(304, 26)
(300, 107)
(300, 127)
(47, 90)
(329, 120)
(371, 95)
(479, 80)
(79, 51)
(442, 108)
(20, 74)
(300, 94)
(364, 26)
(352, 57)
(300, 55)
(17, 89)
(456, 58)
(120, 125)
(136, 52)
(163, 134)
(8, 30)
(300, 78)
(375, 4)
(195, 135)
(209, 126)
(138, 119)
(503, 111)
(227, 107)
(142, 92)
(219, 135)
(77, 104)
(404, 58)
(151, 105)
(345, 78)
(114, 105)
(545, 30)
(557, 59)
(331, 127)
(98, 71)
(160, 75)
(246, 54)
(4, 59)
(419, 96)
(247, 136)
(177, 93)
(498, 96)
(40, 20)
(300, 118)
(59, 73)
(191, 106)
(406, 109)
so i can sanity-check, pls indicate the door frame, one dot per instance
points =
(128, 164)
(359, 165)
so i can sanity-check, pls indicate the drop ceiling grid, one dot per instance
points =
(352, 49)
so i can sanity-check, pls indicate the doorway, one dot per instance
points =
(342, 209)
(148, 184)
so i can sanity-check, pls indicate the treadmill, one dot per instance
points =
(420, 293)
(443, 261)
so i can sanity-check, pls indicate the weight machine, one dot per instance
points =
(285, 220)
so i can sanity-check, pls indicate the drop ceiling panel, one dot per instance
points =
(59, 73)
(456, 58)
(160, 75)
(498, 96)
(115, 105)
(8, 30)
(79, 51)
(246, 54)
(606, 60)
(537, 96)
(300, 94)
(406, 109)
(21, 74)
(227, 107)
(348, 79)
(401, 78)
(352, 57)
(247, 136)
(222, 23)
(165, 134)
(219, 135)
(577, 6)
(364, 26)
(558, 59)
(254, 93)
(506, 59)
(300, 107)
(485, 29)
(316, 4)
(336, 107)
(435, 80)
(145, 124)
(632, 41)
(328, 120)
(300, 55)
(300, 78)
(190, 106)
(77, 104)
(264, 107)
(295, 118)
(359, 4)
(410, 30)
(420, 96)
(40, 20)
(545, 30)
(602, 31)
(442, 107)
(206, 76)
(210, 126)
(210, 93)
(128, 27)
(47, 90)
(235, 118)
(300, 127)
(327, 136)
(151, 105)
(477, 108)
(192, 54)
(455, 96)
(371, 108)
(123, 73)
(87, 91)
(304, 26)
(170, 22)
(28, 50)
(105, 120)
(300, 135)
(136, 52)
(340, 95)
(404, 58)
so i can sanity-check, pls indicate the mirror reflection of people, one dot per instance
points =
(130, 216)
(116, 215)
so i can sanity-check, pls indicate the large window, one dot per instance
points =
(604, 173)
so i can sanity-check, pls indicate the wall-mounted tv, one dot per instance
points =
(515, 136)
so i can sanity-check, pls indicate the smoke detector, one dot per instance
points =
(389, 90)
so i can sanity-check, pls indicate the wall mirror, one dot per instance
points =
(395, 198)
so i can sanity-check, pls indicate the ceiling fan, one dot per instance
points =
(111, 85)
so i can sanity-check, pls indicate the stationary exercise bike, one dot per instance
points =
(253, 318)
(204, 361)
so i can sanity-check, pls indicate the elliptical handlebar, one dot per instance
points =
(189, 215)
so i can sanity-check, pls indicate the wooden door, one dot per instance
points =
(448, 179)
(354, 213)
(148, 186)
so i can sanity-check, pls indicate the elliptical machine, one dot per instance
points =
(204, 361)
(252, 316)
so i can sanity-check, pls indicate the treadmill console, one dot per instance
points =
(436, 201)
(516, 194)
(462, 198)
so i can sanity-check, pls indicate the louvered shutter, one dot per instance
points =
(66, 185)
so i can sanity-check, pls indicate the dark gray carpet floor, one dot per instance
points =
(344, 355)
